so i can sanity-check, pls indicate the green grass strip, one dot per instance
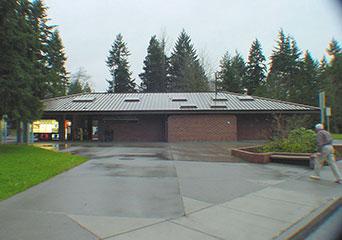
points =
(337, 136)
(23, 166)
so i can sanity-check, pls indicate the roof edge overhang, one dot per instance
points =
(163, 112)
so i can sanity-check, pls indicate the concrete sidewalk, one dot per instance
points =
(135, 193)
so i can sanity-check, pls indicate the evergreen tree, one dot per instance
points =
(24, 58)
(232, 73)
(17, 62)
(334, 79)
(117, 62)
(154, 78)
(323, 82)
(186, 72)
(42, 33)
(334, 48)
(79, 83)
(75, 87)
(58, 77)
(256, 68)
(308, 88)
(295, 77)
(282, 80)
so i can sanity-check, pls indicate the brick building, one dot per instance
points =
(170, 117)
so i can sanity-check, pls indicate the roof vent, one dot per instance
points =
(83, 99)
(179, 99)
(188, 106)
(132, 100)
(218, 106)
(245, 98)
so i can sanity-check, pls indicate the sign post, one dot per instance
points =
(328, 114)
(322, 106)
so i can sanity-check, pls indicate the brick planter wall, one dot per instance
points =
(201, 128)
(338, 147)
(249, 155)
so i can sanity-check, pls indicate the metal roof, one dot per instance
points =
(162, 102)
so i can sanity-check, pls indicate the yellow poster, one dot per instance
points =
(45, 126)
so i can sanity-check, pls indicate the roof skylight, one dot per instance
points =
(221, 106)
(132, 100)
(179, 99)
(219, 99)
(188, 106)
(245, 98)
(83, 99)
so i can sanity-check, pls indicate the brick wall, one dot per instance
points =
(201, 128)
(253, 126)
(149, 128)
(249, 155)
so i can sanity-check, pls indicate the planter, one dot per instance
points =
(251, 155)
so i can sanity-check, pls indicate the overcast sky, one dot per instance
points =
(88, 27)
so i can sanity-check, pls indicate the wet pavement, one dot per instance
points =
(165, 191)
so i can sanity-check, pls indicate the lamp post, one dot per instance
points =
(216, 77)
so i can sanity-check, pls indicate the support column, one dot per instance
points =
(74, 127)
(90, 128)
(27, 133)
(19, 132)
(24, 133)
(3, 129)
(61, 128)
(101, 130)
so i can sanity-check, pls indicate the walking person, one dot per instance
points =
(325, 152)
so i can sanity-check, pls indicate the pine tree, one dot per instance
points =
(117, 61)
(334, 48)
(334, 79)
(232, 73)
(282, 80)
(79, 83)
(295, 77)
(17, 62)
(58, 77)
(256, 68)
(309, 81)
(186, 72)
(154, 78)
(323, 82)
(42, 33)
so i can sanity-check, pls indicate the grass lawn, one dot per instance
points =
(337, 136)
(24, 166)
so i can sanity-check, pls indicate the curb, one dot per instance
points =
(308, 224)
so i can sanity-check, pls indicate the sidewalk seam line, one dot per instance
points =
(256, 214)
(269, 198)
(133, 230)
(196, 230)
(84, 227)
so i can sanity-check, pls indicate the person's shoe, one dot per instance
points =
(315, 177)
(339, 181)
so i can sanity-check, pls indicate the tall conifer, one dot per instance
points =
(58, 75)
(186, 72)
(154, 78)
(282, 79)
(256, 68)
(118, 65)
(232, 73)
